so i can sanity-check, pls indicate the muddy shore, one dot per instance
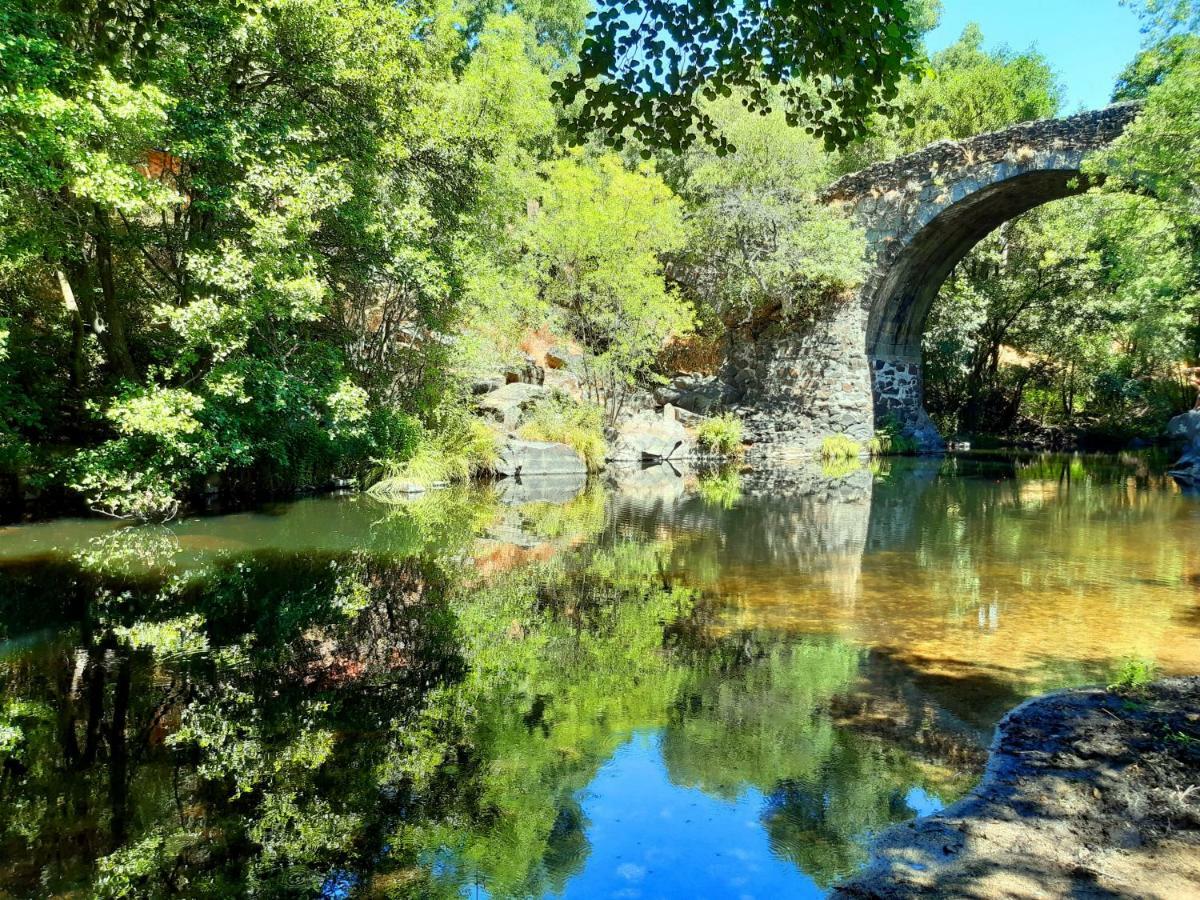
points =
(1087, 793)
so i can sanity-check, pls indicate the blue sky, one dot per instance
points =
(1087, 41)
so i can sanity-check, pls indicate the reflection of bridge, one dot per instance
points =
(922, 214)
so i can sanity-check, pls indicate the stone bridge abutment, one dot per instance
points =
(922, 213)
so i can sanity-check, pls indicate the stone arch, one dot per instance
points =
(924, 212)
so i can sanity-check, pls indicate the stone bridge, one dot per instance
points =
(922, 214)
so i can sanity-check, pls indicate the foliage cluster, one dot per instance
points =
(721, 434)
(889, 439)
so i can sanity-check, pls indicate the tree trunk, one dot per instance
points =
(113, 334)
(77, 362)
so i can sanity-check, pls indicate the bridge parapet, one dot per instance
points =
(1082, 132)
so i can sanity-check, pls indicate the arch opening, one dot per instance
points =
(897, 310)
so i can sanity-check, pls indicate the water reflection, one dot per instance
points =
(723, 682)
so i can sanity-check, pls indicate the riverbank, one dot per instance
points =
(1087, 793)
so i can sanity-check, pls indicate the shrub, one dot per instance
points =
(890, 439)
(456, 447)
(721, 434)
(839, 447)
(564, 420)
(1134, 675)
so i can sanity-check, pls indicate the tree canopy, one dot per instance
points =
(646, 66)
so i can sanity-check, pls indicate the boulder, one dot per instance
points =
(1187, 428)
(566, 381)
(486, 384)
(650, 436)
(522, 458)
(507, 405)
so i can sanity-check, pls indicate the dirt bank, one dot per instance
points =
(1087, 793)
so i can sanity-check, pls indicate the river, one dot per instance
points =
(673, 686)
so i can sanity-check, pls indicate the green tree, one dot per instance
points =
(973, 91)
(759, 241)
(593, 247)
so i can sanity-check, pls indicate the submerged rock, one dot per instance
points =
(1087, 793)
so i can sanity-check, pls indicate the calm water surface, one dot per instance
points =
(670, 686)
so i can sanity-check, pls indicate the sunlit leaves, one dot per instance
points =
(646, 66)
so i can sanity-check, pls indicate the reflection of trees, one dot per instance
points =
(755, 712)
(202, 772)
(277, 721)
(750, 714)
(566, 660)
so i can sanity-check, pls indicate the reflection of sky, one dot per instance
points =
(921, 801)
(652, 839)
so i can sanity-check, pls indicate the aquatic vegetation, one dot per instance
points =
(839, 447)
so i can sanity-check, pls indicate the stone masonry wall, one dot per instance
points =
(794, 388)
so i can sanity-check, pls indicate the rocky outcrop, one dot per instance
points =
(1087, 793)
(1187, 428)
(507, 405)
(520, 458)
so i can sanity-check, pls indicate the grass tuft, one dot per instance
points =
(839, 447)
(564, 420)
(721, 434)
(1134, 675)
(460, 448)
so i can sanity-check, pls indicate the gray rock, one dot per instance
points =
(650, 436)
(566, 381)
(507, 405)
(487, 384)
(523, 458)
(700, 394)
